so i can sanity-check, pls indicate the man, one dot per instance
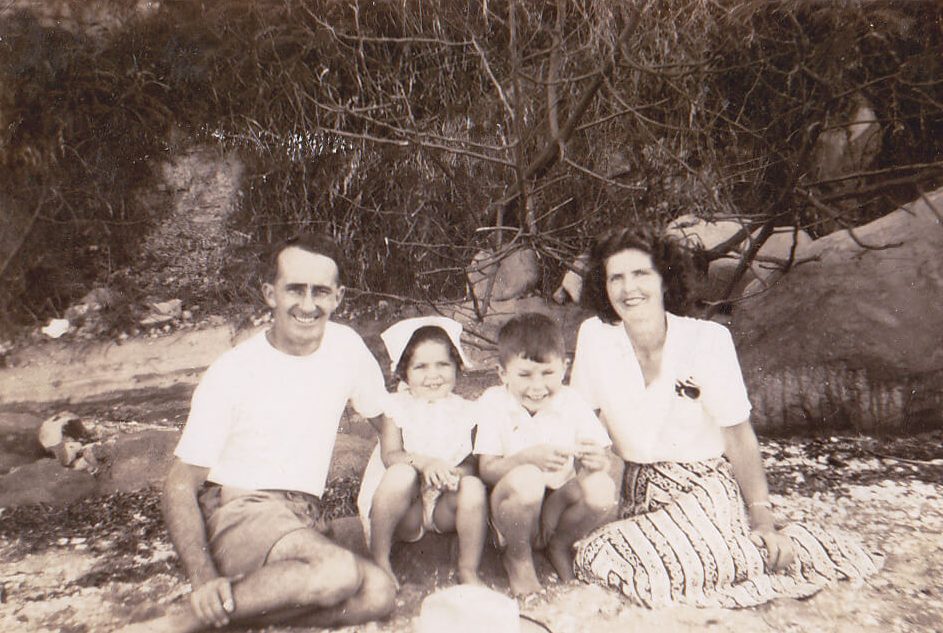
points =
(241, 500)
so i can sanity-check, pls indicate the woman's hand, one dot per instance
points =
(743, 451)
(437, 473)
(779, 546)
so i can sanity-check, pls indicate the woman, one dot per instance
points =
(671, 393)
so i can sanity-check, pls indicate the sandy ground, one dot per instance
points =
(102, 563)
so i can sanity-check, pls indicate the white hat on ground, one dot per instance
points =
(472, 609)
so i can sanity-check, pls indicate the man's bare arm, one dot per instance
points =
(185, 521)
(212, 599)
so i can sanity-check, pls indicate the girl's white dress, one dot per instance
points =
(441, 429)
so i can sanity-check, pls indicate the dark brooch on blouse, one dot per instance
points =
(687, 389)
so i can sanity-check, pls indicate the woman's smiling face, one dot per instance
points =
(633, 285)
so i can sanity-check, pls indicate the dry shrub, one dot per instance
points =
(418, 132)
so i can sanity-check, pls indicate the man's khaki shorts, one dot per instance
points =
(244, 525)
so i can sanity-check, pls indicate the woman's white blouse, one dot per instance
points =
(678, 417)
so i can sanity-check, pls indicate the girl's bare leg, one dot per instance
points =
(466, 512)
(391, 502)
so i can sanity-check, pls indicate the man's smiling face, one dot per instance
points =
(303, 296)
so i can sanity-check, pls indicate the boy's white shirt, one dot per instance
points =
(262, 419)
(505, 427)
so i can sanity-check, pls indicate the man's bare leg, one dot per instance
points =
(515, 506)
(305, 574)
(371, 603)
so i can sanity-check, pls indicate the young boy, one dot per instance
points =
(543, 451)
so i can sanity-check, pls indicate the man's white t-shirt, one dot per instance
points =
(261, 419)
(678, 417)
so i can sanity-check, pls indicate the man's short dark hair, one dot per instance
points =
(532, 336)
(671, 260)
(316, 243)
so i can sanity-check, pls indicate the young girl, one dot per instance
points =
(421, 476)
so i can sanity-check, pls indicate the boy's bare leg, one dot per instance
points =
(515, 506)
(554, 505)
(465, 512)
(590, 500)
(566, 503)
(306, 574)
(391, 503)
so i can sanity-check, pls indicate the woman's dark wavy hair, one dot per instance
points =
(672, 261)
(421, 335)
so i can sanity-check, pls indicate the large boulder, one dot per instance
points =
(697, 232)
(571, 286)
(515, 272)
(779, 249)
(852, 336)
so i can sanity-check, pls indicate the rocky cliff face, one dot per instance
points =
(853, 338)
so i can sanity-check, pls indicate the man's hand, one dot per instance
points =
(213, 602)
(592, 456)
(546, 457)
(778, 545)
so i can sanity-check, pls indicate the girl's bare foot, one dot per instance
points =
(561, 559)
(522, 577)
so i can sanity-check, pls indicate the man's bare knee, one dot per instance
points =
(332, 580)
(334, 573)
(377, 592)
(374, 600)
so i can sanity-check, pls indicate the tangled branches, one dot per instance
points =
(420, 132)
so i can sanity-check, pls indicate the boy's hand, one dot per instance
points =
(591, 455)
(437, 474)
(546, 457)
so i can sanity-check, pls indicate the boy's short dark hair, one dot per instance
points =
(317, 243)
(532, 336)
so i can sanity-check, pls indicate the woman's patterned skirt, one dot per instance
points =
(684, 538)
